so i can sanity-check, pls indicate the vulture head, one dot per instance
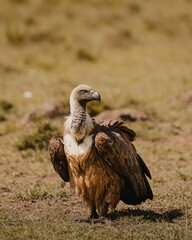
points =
(81, 95)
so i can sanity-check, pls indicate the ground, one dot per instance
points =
(135, 54)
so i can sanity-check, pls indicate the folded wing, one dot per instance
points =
(113, 144)
(58, 157)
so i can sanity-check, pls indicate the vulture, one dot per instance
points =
(99, 159)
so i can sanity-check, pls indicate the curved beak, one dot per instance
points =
(95, 95)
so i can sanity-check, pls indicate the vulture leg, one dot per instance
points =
(103, 217)
(105, 209)
(94, 214)
(95, 218)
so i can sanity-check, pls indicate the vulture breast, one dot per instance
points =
(72, 148)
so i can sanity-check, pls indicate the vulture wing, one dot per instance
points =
(58, 157)
(113, 144)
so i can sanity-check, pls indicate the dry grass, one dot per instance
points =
(136, 54)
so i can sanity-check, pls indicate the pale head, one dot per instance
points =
(81, 95)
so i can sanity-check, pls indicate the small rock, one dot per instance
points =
(27, 94)
(52, 108)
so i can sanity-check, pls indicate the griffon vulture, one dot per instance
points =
(99, 160)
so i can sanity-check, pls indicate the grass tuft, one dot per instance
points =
(39, 139)
(5, 105)
(39, 192)
(2, 118)
(135, 7)
(86, 55)
(183, 176)
(22, 35)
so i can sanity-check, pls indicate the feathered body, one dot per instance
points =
(99, 160)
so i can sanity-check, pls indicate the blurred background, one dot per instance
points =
(131, 51)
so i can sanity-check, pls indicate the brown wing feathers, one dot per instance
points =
(113, 143)
(58, 157)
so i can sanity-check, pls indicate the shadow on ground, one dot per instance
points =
(168, 216)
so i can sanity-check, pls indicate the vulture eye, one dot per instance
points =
(83, 91)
